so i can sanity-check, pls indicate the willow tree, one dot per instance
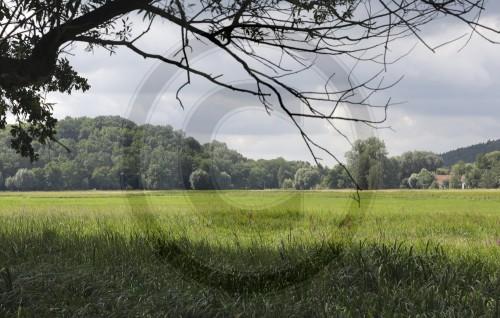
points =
(35, 36)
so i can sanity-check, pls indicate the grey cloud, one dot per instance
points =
(441, 112)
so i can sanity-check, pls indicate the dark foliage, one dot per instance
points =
(469, 154)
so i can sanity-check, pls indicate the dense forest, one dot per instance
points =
(469, 154)
(110, 152)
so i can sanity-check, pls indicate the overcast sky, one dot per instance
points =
(451, 99)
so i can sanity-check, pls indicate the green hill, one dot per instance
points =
(469, 154)
(111, 153)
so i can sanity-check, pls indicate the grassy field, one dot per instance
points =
(250, 254)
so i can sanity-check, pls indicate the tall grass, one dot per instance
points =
(91, 254)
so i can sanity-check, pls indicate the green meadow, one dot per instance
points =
(250, 254)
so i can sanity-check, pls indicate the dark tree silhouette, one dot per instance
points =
(36, 35)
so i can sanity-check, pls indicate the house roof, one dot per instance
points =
(440, 178)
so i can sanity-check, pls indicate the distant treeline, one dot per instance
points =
(469, 154)
(110, 152)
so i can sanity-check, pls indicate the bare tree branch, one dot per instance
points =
(33, 35)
